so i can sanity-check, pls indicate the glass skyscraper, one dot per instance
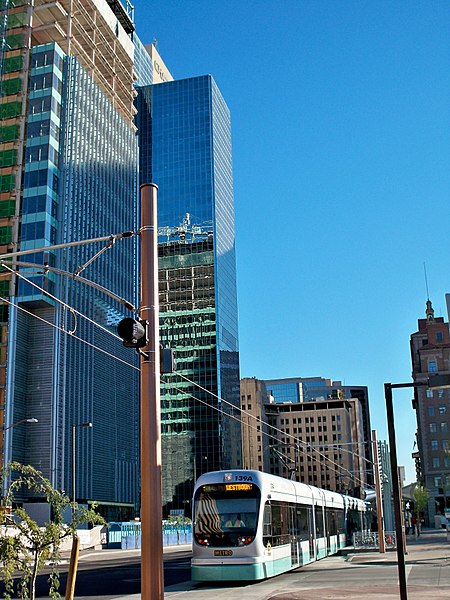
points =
(69, 172)
(185, 148)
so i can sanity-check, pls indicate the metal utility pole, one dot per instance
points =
(433, 382)
(376, 465)
(396, 489)
(152, 579)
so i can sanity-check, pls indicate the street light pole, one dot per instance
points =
(152, 573)
(396, 489)
(434, 382)
(74, 471)
(19, 423)
(72, 572)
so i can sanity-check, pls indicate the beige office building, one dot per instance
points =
(320, 443)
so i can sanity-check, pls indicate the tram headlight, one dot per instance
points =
(245, 541)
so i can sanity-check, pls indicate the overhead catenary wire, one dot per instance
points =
(105, 238)
(296, 440)
(68, 333)
(336, 469)
(73, 310)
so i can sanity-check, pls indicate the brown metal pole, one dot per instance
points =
(396, 491)
(376, 467)
(73, 568)
(152, 575)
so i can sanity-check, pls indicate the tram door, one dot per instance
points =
(293, 535)
(328, 527)
(312, 529)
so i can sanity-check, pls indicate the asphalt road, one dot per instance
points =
(114, 574)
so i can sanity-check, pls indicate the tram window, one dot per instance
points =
(225, 517)
(331, 521)
(302, 522)
(340, 521)
(277, 533)
(319, 521)
(267, 522)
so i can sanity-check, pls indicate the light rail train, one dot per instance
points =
(249, 525)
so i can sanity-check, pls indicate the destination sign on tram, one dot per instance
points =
(228, 487)
(238, 487)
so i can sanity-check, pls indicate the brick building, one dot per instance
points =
(430, 354)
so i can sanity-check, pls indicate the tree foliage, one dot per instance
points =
(25, 547)
(420, 495)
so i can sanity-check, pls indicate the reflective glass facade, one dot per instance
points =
(80, 183)
(185, 148)
(142, 63)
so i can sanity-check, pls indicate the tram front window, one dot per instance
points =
(226, 514)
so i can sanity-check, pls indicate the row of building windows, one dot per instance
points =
(320, 428)
(312, 439)
(435, 444)
(438, 482)
(436, 462)
(434, 427)
(441, 409)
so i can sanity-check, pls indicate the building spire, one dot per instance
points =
(430, 311)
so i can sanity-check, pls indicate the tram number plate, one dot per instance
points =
(223, 552)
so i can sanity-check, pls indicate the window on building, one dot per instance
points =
(430, 411)
(444, 427)
(432, 366)
(436, 463)
(440, 393)
(437, 482)
(439, 336)
(433, 427)
(429, 393)
(444, 444)
(434, 445)
(442, 409)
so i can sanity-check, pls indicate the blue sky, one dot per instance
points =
(341, 154)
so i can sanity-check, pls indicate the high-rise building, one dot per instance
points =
(69, 172)
(185, 148)
(321, 442)
(257, 439)
(430, 354)
(320, 389)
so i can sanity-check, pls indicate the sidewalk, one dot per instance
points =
(360, 575)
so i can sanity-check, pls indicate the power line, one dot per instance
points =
(105, 238)
(64, 304)
(68, 333)
(71, 333)
(216, 408)
(296, 440)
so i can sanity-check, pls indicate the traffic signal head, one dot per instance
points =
(133, 333)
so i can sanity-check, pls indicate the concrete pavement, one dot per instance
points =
(359, 575)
